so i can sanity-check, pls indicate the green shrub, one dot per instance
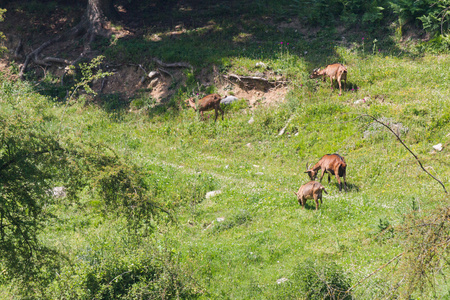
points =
(321, 280)
(108, 271)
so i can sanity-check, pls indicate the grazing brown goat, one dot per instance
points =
(310, 190)
(334, 71)
(207, 103)
(333, 164)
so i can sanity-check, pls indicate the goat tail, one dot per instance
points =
(323, 189)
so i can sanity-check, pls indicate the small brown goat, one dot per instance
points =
(310, 190)
(207, 103)
(333, 164)
(334, 71)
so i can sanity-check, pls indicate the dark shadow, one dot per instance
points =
(205, 33)
(350, 187)
(311, 204)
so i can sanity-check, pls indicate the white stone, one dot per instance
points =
(221, 219)
(438, 147)
(261, 64)
(212, 194)
(251, 120)
(153, 74)
(281, 280)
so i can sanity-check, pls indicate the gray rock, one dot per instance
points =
(228, 100)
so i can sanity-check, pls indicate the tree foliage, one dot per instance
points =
(34, 157)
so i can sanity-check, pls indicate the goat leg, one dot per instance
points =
(340, 183)
(321, 176)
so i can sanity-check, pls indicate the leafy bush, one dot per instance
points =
(104, 272)
(321, 280)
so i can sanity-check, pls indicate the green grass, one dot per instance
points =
(264, 235)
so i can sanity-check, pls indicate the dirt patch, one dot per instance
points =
(127, 80)
(255, 97)
(5, 70)
(130, 80)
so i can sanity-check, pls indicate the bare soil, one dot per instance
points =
(20, 28)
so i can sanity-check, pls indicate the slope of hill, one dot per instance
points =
(224, 221)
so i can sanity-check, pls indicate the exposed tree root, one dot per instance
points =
(92, 25)
(252, 82)
(173, 65)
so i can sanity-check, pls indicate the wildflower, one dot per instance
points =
(281, 43)
(353, 90)
(363, 39)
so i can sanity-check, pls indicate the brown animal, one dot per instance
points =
(310, 190)
(334, 71)
(333, 164)
(207, 103)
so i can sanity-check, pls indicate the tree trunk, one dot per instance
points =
(97, 12)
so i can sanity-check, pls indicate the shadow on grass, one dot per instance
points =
(350, 187)
(205, 33)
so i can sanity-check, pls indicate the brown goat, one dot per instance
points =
(334, 71)
(310, 190)
(333, 164)
(207, 103)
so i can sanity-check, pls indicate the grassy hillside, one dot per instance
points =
(251, 240)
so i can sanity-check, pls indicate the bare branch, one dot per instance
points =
(376, 271)
(173, 65)
(400, 140)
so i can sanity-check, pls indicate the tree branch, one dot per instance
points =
(412, 153)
